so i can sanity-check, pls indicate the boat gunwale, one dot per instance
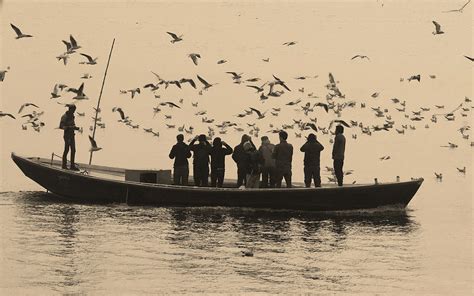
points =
(36, 161)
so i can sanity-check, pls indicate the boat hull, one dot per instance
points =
(89, 189)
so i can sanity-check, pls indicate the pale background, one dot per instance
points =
(396, 36)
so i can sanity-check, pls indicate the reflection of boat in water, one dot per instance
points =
(104, 187)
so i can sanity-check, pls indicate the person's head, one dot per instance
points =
(265, 140)
(248, 146)
(71, 109)
(217, 142)
(180, 138)
(312, 138)
(339, 129)
(283, 135)
(245, 138)
(202, 138)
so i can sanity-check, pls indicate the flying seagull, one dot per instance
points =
(340, 122)
(93, 145)
(437, 28)
(415, 77)
(289, 43)
(469, 58)
(120, 111)
(90, 60)
(206, 84)
(194, 57)
(361, 57)
(260, 114)
(74, 45)
(26, 105)
(175, 37)
(2, 73)
(80, 93)
(19, 34)
(219, 62)
(63, 57)
(460, 9)
(6, 114)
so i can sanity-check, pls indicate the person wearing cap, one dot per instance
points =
(180, 152)
(338, 150)
(242, 160)
(268, 167)
(312, 151)
(201, 152)
(283, 155)
(218, 152)
(255, 162)
(69, 126)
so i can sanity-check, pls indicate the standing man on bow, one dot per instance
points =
(69, 126)
(338, 150)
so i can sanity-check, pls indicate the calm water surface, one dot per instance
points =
(53, 247)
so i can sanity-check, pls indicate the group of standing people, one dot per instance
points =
(272, 163)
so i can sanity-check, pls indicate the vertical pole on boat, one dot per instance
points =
(100, 96)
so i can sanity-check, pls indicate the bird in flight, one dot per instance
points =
(120, 111)
(90, 60)
(460, 9)
(94, 146)
(260, 114)
(290, 43)
(63, 57)
(175, 37)
(74, 45)
(415, 77)
(437, 29)
(206, 84)
(469, 58)
(194, 57)
(2, 73)
(18, 32)
(26, 105)
(2, 114)
(219, 62)
(361, 57)
(340, 122)
(80, 95)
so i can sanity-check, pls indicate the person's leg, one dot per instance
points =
(213, 177)
(185, 175)
(196, 176)
(338, 170)
(288, 178)
(317, 176)
(205, 176)
(239, 177)
(66, 151)
(272, 177)
(73, 152)
(176, 176)
(278, 178)
(307, 176)
(265, 175)
(220, 178)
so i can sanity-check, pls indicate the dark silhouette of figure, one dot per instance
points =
(69, 126)
(268, 167)
(338, 153)
(218, 152)
(201, 152)
(180, 152)
(283, 155)
(312, 152)
(242, 160)
(255, 161)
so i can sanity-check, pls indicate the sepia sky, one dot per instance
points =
(396, 35)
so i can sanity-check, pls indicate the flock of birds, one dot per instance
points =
(333, 103)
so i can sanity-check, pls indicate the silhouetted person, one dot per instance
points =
(268, 167)
(254, 167)
(283, 155)
(69, 126)
(180, 152)
(218, 152)
(242, 160)
(201, 152)
(338, 153)
(312, 151)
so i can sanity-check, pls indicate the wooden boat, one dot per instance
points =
(107, 185)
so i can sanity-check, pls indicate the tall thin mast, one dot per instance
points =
(100, 96)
